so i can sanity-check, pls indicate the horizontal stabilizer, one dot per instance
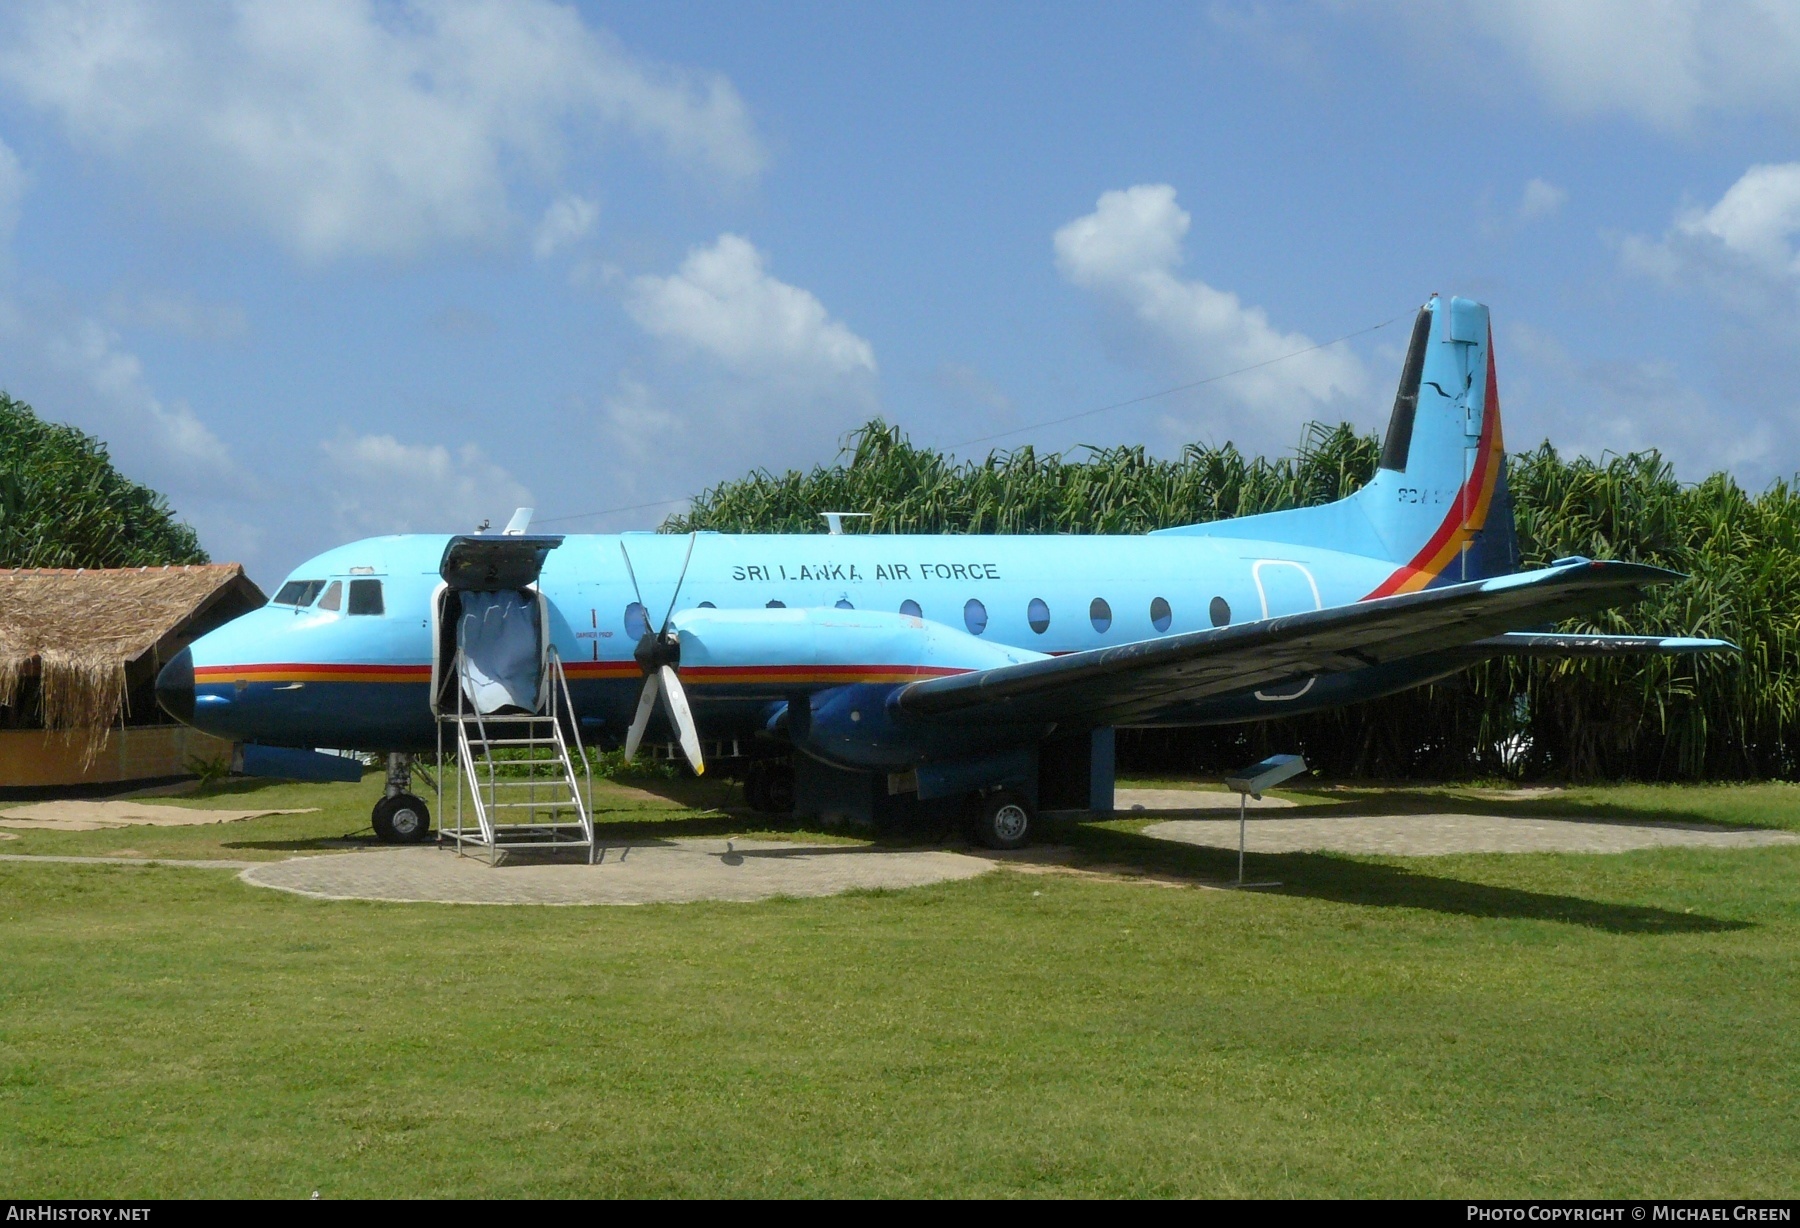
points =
(1119, 685)
(1550, 644)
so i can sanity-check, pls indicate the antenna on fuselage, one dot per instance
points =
(834, 521)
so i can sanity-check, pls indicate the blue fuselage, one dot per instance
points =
(304, 675)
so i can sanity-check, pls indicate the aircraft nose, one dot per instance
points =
(175, 687)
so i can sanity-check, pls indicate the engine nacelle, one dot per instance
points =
(837, 669)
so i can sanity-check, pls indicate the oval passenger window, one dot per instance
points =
(1219, 611)
(1160, 614)
(1038, 615)
(911, 609)
(776, 605)
(706, 605)
(843, 603)
(1100, 614)
(975, 617)
(637, 623)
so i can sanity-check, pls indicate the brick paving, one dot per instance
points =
(1428, 835)
(674, 871)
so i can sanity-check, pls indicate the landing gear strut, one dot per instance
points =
(769, 786)
(400, 817)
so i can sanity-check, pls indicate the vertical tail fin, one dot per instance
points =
(1437, 507)
(1439, 501)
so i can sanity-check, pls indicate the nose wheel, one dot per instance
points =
(401, 819)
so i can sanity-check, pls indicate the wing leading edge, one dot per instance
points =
(1114, 686)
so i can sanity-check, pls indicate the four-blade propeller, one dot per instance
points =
(658, 654)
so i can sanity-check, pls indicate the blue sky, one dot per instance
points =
(328, 270)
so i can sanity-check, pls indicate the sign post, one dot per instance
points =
(1253, 781)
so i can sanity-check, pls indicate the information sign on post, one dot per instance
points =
(1254, 781)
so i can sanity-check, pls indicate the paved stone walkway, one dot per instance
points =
(1427, 835)
(1127, 800)
(675, 871)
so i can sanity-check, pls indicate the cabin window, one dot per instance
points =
(975, 616)
(911, 609)
(843, 603)
(637, 622)
(365, 597)
(1038, 615)
(776, 605)
(1100, 614)
(298, 592)
(1219, 611)
(1160, 614)
(334, 596)
(707, 605)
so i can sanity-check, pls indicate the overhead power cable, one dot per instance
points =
(1086, 413)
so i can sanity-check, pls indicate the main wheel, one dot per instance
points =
(780, 787)
(769, 786)
(1002, 820)
(756, 785)
(401, 819)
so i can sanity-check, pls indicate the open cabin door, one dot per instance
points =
(489, 616)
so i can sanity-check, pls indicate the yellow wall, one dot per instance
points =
(32, 757)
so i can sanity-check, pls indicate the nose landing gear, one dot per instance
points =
(400, 817)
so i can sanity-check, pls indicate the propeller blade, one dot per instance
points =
(679, 580)
(640, 722)
(683, 718)
(629, 572)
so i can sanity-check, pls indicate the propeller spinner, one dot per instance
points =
(658, 654)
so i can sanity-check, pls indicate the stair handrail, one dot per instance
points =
(562, 681)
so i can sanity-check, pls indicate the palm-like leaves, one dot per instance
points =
(1650, 718)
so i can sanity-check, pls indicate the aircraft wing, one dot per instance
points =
(1116, 685)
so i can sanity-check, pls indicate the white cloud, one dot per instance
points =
(566, 220)
(1127, 251)
(78, 369)
(180, 315)
(1741, 249)
(724, 304)
(1540, 200)
(344, 126)
(72, 368)
(1592, 406)
(12, 195)
(1662, 62)
(380, 485)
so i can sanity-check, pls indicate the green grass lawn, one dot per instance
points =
(1480, 1025)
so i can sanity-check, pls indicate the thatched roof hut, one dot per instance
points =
(80, 650)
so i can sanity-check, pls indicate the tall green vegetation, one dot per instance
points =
(1718, 716)
(62, 504)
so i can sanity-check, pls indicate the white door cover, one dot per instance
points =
(501, 652)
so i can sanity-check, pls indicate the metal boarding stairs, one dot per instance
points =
(516, 775)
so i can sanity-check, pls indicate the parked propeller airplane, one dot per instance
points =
(871, 674)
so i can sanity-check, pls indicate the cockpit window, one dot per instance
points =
(334, 596)
(298, 592)
(365, 597)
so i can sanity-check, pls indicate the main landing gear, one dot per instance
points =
(1001, 819)
(400, 817)
(769, 786)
